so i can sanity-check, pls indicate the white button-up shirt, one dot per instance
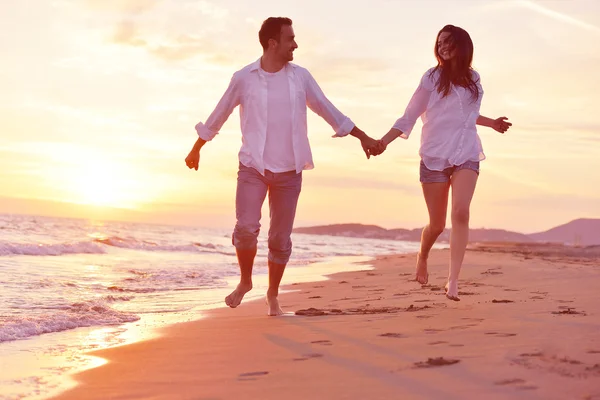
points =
(449, 135)
(248, 89)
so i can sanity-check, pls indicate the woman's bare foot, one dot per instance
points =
(452, 290)
(235, 298)
(422, 274)
(274, 309)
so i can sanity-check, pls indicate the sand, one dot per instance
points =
(527, 327)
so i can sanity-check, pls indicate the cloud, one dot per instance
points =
(558, 16)
(127, 6)
(177, 43)
(208, 9)
(177, 48)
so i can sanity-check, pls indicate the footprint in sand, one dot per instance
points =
(393, 335)
(343, 282)
(492, 271)
(322, 342)
(308, 356)
(560, 365)
(315, 312)
(462, 326)
(413, 308)
(347, 298)
(251, 376)
(436, 343)
(315, 297)
(473, 319)
(527, 387)
(501, 334)
(505, 382)
(569, 311)
(502, 301)
(435, 362)
(593, 351)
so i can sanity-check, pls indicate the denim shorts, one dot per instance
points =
(427, 175)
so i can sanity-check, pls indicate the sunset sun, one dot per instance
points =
(105, 184)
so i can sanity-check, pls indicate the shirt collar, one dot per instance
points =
(255, 66)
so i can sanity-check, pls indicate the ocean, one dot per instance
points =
(70, 286)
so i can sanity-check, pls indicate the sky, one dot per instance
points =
(100, 97)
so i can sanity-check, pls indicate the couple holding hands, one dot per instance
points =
(273, 95)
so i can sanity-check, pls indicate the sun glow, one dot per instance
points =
(105, 184)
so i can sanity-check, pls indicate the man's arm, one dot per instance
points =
(229, 101)
(207, 131)
(342, 125)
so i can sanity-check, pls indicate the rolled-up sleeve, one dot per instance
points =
(230, 100)
(318, 102)
(416, 107)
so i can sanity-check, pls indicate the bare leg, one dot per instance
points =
(436, 197)
(463, 187)
(246, 262)
(275, 275)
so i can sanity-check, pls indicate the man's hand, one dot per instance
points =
(379, 148)
(368, 144)
(500, 124)
(193, 159)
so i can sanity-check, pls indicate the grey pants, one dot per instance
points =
(284, 190)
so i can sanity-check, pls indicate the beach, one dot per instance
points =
(526, 327)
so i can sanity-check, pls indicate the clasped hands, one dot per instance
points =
(373, 147)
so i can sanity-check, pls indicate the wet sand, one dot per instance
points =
(527, 326)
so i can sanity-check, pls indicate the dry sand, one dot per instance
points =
(527, 327)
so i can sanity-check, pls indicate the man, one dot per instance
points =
(272, 94)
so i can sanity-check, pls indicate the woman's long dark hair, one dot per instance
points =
(461, 73)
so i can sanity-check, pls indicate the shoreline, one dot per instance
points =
(54, 373)
(377, 334)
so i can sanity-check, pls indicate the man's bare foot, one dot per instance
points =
(422, 274)
(235, 298)
(452, 290)
(274, 309)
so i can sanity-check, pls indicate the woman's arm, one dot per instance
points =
(499, 124)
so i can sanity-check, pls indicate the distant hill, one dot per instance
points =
(584, 232)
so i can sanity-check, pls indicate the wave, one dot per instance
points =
(25, 249)
(116, 241)
(84, 314)
(99, 246)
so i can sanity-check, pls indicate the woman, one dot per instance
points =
(448, 100)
